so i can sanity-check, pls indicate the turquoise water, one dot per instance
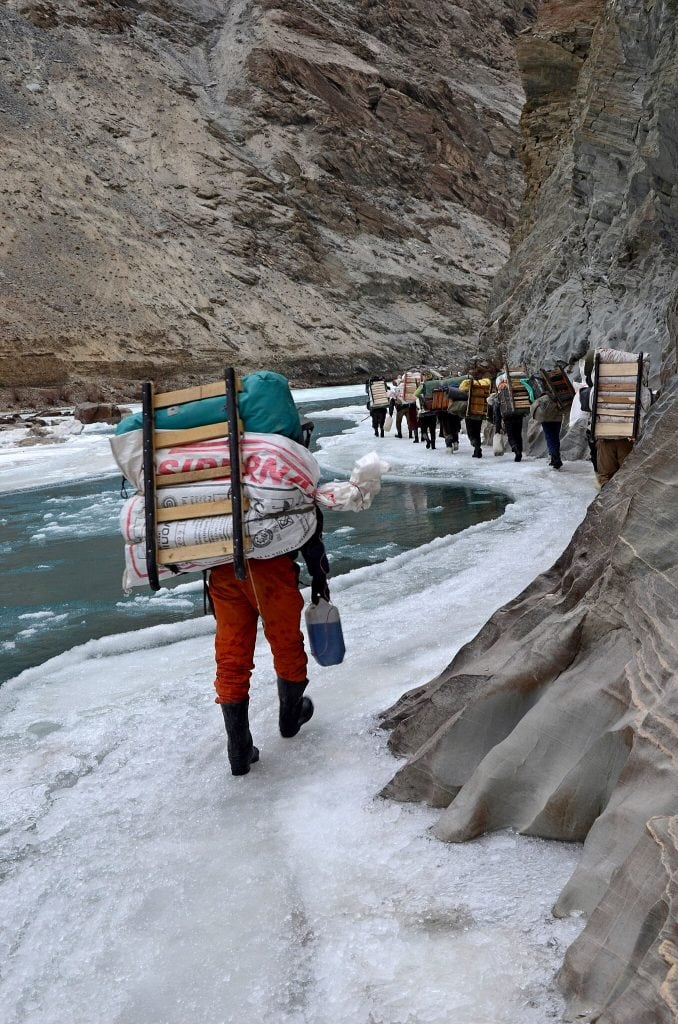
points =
(62, 556)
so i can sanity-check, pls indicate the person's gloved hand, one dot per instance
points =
(319, 588)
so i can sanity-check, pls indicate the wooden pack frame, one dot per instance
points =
(154, 440)
(378, 394)
(411, 381)
(477, 400)
(616, 398)
(558, 386)
(439, 400)
(518, 395)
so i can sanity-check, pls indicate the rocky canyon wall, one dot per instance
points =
(595, 259)
(559, 718)
(322, 188)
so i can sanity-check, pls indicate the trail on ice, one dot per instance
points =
(144, 884)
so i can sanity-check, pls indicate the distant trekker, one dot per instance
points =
(377, 403)
(546, 411)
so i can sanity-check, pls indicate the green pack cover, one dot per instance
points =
(431, 385)
(266, 407)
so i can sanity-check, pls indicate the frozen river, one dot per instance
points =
(62, 553)
(142, 883)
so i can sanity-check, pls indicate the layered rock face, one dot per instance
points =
(560, 719)
(321, 188)
(595, 260)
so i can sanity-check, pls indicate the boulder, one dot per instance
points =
(97, 412)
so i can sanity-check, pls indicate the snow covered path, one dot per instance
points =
(145, 885)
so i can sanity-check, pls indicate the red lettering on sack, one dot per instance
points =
(204, 463)
(273, 471)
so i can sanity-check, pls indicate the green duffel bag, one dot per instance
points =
(458, 407)
(265, 403)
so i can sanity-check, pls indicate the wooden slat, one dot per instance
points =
(197, 510)
(210, 473)
(192, 394)
(192, 552)
(627, 389)
(378, 394)
(618, 370)
(617, 397)
(613, 430)
(189, 435)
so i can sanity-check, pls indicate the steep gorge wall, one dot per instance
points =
(595, 259)
(559, 718)
(319, 187)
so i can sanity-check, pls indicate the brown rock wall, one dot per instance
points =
(311, 187)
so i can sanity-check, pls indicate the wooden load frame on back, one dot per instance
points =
(233, 503)
(378, 394)
(518, 395)
(411, 381)
(558, 386)
(439, 400)
(616, 398)
(477, 400)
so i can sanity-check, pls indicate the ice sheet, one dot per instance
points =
(143, 883)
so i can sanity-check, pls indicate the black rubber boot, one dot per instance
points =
(241, 751)
(477, 453)
(295, 709)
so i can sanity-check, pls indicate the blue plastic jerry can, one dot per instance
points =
(325, 634)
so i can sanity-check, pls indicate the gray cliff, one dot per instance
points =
(595, 259)
(560, 718)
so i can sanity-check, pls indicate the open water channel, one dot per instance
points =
(61, 553)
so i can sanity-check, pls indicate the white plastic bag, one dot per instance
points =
(388, 423)
(498, 444)
(355, 494)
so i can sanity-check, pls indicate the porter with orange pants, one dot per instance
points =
(271, 590)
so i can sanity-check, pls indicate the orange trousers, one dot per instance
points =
(272, 591)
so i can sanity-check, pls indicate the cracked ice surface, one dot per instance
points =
(142, 884)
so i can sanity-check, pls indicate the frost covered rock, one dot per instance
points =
(559, 720)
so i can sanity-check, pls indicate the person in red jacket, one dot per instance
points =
(271, 590)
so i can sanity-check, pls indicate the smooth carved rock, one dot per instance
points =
(560, 719)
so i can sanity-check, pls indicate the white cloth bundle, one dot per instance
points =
(359, 491)
(280, 480)
(269, 461)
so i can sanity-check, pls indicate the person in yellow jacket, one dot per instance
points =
(474, 423)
